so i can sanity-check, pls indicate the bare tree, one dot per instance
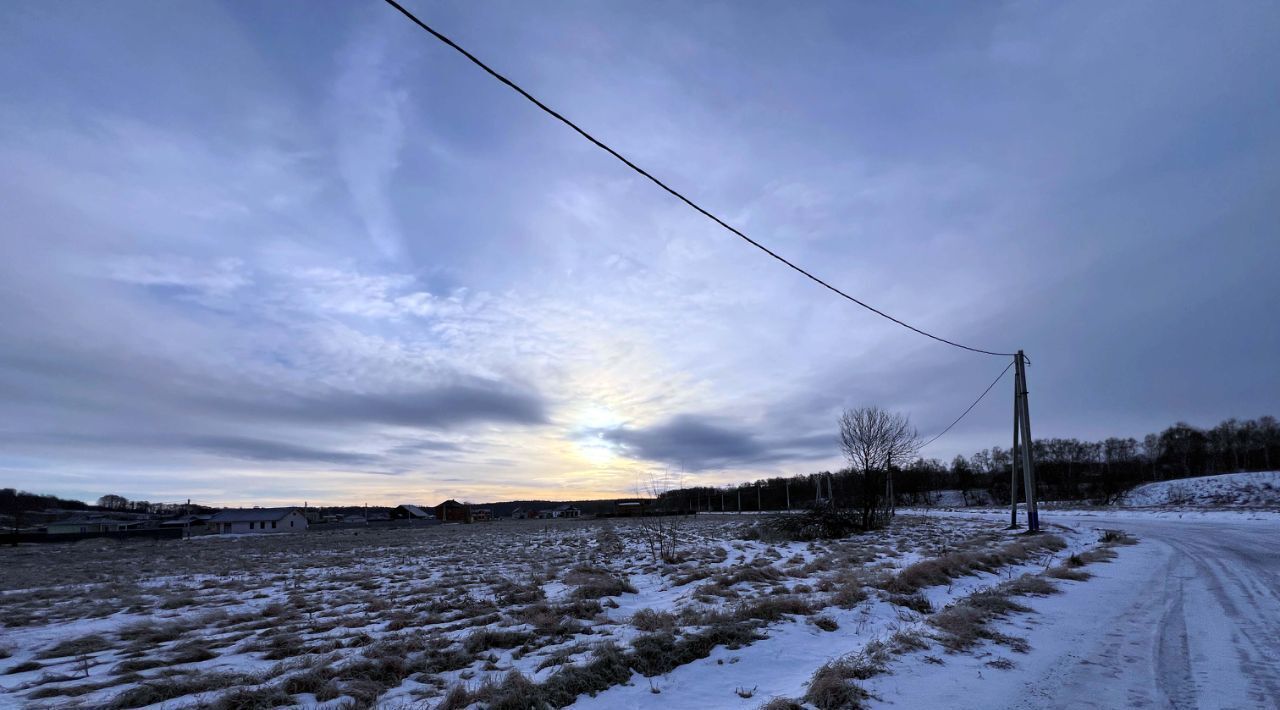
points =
(112, 501)
(662, 529)
(872, 439)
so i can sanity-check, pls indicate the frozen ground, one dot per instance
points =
(494, 615)
(1189, 618)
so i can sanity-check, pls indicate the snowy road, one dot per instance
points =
(1190, 618)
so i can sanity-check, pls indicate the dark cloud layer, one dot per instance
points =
(251, 449)
(469, 401)
(699, 443)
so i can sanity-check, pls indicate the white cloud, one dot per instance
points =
(368, 108)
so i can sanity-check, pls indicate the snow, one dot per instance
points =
(782, 664)
(1235, 490)
(1190, 617)
(1131, 629)
(956, 498)
(1235, 516)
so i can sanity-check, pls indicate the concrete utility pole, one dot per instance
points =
(1013, 463)
(1022, 414)
(759, 507)
(888, 488)
(788, 494)
(739, 500)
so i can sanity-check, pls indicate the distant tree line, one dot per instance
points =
(13, 502)
(115, 502)
(1066, 469)
(16, 502)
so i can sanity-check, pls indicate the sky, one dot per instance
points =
(268, 253)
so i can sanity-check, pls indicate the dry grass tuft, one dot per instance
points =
(24, 667)
(159, 690)
(595, 582)
(1030, 585)
(650, 620)
(91, 643)
(781, 704)
(485, 639)
(917, 602)
(1117, 537)
(968, 621)
(1066, 572)
(826, 623)
(961, 563)
(834, 686)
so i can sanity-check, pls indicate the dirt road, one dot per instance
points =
(1200, 629)
(1189, 618)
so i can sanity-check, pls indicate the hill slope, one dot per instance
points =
(1228, 490)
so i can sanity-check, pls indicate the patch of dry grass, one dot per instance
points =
(90, 643)
(968, 622)
(960, 563)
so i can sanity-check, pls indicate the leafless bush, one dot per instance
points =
(821, 521)
(662, 534)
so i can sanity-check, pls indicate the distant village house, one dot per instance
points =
(92, 524)
(410, 512)
(253, 520)
(631, 508)
(451, 511)
(563, 511)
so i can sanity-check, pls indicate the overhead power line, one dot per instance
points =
(975, 403)
(599, 144)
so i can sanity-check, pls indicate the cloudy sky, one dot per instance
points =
(295, 250)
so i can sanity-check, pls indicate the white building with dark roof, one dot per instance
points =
(254, 520)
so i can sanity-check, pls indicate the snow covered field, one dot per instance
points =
(496, 615)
